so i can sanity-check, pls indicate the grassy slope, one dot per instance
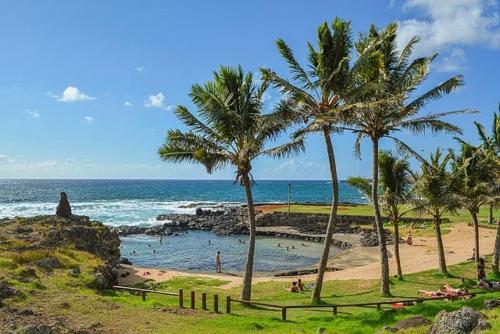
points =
(116, 312)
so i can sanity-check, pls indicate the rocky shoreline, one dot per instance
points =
(232, 220)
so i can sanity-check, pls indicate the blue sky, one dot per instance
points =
(86, 87)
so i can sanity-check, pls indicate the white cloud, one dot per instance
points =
(88, 119)
(72, 94)
(451, 23)
(140, 68)
(5, 159)
(453, 62)
(33, 114)
(128, 104)
(155, 101)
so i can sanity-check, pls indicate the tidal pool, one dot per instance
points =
(192, 251)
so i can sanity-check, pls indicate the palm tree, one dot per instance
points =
(474, 169)
(396, 181)
(387, 106)
(492, 145)
(394, 191)
(231, 130)
(435, 190)
(318, 95)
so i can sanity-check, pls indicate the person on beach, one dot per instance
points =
(409, 239)
(218, 263)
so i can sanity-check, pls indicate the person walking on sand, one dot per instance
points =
(218, 263)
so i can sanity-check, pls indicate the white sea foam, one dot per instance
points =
(112, 212)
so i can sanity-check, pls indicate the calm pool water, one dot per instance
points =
(191, 251)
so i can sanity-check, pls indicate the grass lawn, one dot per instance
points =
(367, 210)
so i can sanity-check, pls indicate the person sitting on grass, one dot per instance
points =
(293, 288)
(301, 285)
(488, 285)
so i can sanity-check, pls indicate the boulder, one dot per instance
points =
(463, 321)
(104, 278)
(6, 291)
(48, 263)
(63, 209)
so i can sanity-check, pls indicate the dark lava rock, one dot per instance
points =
(6, 291)
(370, 238)
(104, 278)
(75, 272)
(85, 235)
(490, 304)
(463, 321)
(63, 209)
(124, 260)
(412, 322)
(48, 263)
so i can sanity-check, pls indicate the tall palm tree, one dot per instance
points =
(435, 190)
(387, 105)
(475, 170)
(231, 130)
(318, 95)
(394, 191)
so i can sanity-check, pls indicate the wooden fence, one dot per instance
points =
(283, 308)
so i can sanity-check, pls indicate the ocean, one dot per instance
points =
(138, 202)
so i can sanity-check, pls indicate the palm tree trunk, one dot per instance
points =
(496, 251)
(384, 261)
(396, 246)
(246, 293)
(491, 219)
(442, 260)
(476, 234)
(316, 294)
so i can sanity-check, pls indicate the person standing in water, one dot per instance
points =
(218, 262)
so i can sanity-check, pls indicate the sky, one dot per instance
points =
(87, 88)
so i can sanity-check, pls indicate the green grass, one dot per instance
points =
(367, 210)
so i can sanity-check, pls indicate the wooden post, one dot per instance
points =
(143, 295)
(283, 313)
(216, 303)
(204, 301)
(378, 307)
(181, 298)
(228, 305)
(334, 310)
(193, 300)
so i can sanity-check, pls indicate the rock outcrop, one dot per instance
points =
(63, 209)
(463, 321)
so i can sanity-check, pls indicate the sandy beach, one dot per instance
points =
(359, 262)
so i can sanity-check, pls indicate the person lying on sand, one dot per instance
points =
(488, 285)
(293, 288)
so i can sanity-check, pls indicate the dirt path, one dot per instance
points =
(361, 262)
